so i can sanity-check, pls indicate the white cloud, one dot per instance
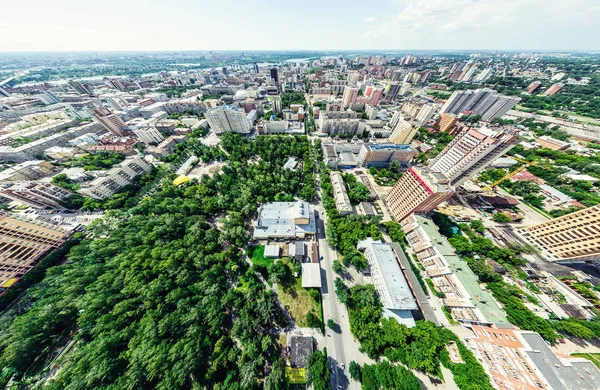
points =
(369, 19)
(490, 24)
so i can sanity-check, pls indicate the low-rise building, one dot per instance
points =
(380, 155)
(285, 220)
(342, 201)
(552, 143)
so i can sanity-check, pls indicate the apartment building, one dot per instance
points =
(116, 178)
(110, 121)
(572, 237)
(380, 155)
(419, 190)
(22, 244)
(35, 194)
(470, 152)
(485, 102)
(228, 119)
(403, 132)
(516, 359)
(342, 201)
(447, 122)
(425, 114)
(148, 134)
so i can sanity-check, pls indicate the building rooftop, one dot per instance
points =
(272, 251)
(301, 347)
(311, 275)
(284, 219)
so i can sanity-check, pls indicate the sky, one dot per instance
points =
(107, 25)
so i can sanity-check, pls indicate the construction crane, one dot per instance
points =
(525, 165)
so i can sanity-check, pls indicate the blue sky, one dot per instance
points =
(31, 25)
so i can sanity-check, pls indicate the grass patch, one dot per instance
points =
(593, 357)
(298, 300)
(260, 263)
(447, 311)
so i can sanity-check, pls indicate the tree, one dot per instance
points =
(312, 321)
(341, 290)
(318, 370)
(354, 369)
(337, 267)
(501, 217)
(277, 379)
(477, 225)
(331, 324)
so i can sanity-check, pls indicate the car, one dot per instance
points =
(321, 258)
(343, 366)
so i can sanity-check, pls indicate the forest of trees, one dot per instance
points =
(154, 295)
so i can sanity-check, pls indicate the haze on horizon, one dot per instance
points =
(135, 25)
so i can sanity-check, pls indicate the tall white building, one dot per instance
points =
(425, 114)
(485, 102)
(110, 121)
(470, 152)
(403, 132)
(228, 119)
(483, 76)
(148, 134)
(116, 178)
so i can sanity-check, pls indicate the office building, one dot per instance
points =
(22, 244)
(35, 194)
(110, 121)
(274, 74)
(255, 67)
(116, 178)
(517, 359)
(391, 285)
(392, 92)
(533, 86)
(485, 102)
(342, 201)
(403, 132)
(380, 155)
(446, 123)
(228, 119)
(419, 190)
(574, 236)
(349, 96)
(554, 89)
(425, 114)
(285, 220)
(470, 152)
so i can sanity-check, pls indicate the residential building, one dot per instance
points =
(349, 96)
(546, 141)
(390, 283)
(466, 300)
(22, 244)
(517, 359)
(84, 89)
(484, 75)
(285, 220)
(277, 107)
(342, 201)
(380, 155)
(470, 152)
(419, 190)
(228, 119)
(35, 194)
(148, 134)
(166, 147)
(555, 88)
(485, 102)
(572, 237)
(425, 114)
(446, 122)
(403, 132)
(392, 92)
(533, 86)
(110, 121)
(353, 78)
(116, 178)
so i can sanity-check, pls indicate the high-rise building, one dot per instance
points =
(34, 193)
(425, 114)
(375, 95)
(392, 92)
(148, 134)
(403, 132)
(255, 67)
(22, 244)
(353, 78)
(110, 121)
(395, 118)
(485, 102)
(274, 74)
(574, 236)
(484, 75)
(117, 84)
(227, 118)
(277, 107)
(533, 86)
(470, 152)
(380, 155)
(349, 96)
(446, 122)
(81, 88)
(419, 190)
(555, 88)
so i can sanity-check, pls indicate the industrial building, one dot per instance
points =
(419, 190)
(285, 220)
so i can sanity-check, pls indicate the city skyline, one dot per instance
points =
(390, 25)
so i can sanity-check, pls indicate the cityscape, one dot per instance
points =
(300, 219)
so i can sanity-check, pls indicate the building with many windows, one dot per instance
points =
(470, 152)
(419, 190)
(403, 132)
(34, 194)
(22, 244)
(342, 201)
(572, 237)
(380, 155)
(485, 102)
(110, 121)
(116, 178)
(224, 119)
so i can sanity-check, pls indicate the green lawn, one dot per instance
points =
(297, 300)
(256, 253)
(593, 357)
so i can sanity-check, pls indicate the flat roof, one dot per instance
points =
(301, 347)
(573, 375)
(311, 275)
(390, 146)
(399, 293)
(272, 250)
(482, 299)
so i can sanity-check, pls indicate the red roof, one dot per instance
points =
(525, 175)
